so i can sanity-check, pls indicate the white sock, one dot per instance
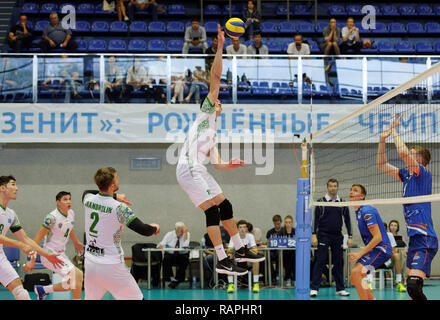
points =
(236, 241)
(230, 279)
(399, 277)
(221, 254)
(256, 278)
(48, 289)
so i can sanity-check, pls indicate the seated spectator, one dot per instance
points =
(114, 85)
(179, 86)
(211, 51)
(15, 75)
(55, 36)
(195, 37)
(138, 80)
(350, 37)
(331, 34)
(397, 256)
(248, 240)
(275, 232)
(252, 19)
(70, 78)
(289, 255)
(179, 238)
(198, 83)
(120, 7)
(157, 71)
(298, 47)
(257, 47)
(139, 5)
(236, 48)
(20, 35)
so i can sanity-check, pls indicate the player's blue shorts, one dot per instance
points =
(421, 251)
(374, 258)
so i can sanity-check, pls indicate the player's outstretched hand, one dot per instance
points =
(53, 258)
(235, 163)
(385, 134)
(123, 198)
(396, 122)
(157, 228)
(220, 36)
(79, 248)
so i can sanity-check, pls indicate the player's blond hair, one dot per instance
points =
(104, 178)
(424, 153)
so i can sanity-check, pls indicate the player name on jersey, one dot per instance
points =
(98, 207)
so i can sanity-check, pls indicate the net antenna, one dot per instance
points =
(346, 150)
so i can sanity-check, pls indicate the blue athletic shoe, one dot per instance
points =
(39, 291)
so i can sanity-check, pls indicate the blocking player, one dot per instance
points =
(200, 186)
(417, 181)
(59, 224)
(377, 248)
(9, 221)
(106, 214)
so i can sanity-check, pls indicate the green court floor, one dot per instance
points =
(431, 289)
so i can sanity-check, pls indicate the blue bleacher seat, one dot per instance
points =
(30, 8)
(337, 10)
(436, 9)
(268, 27)
(424, 10)
(175, 46)
(437, 46)
(301, 9)
(60, 8)
(274, 46)
(138, 27)
(85, 8)
(40, 25)
(118, 26)
(321, 25)
(137, 45)
(384, 46)
(156, 26)
(287, 27)
(176, 9)
(97, 45)
(117, 45)
(354, 10)
(47, 8)
(156, 46)
(404, 46)
(282, 10)
(415, 28)
(314, 48)
(234, 10)
(100, 26)
(407, 10)
(390, 10)
(432, 27)
(396, 27)
(82, 45)
(211, 26)
(361, 28)
(13, 256)
(212, 10)
(82, 26)
(380, 28)
(304, 27)
(424, 46)
(175, 27)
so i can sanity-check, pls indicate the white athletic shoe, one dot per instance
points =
(342, 293)
(313, 293)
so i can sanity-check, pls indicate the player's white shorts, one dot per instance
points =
(115, 278)
(7, 272)
(63, 270)
(198, 184)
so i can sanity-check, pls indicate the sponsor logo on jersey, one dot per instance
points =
(9, 220)
(94, 250)
(60, 225)
(368, 217)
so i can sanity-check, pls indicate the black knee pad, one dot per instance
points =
(225, 210)
(212, 216)
(415, 288)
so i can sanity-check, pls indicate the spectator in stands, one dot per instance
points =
(138, 80)
(397, 254)
(257, 47)
(236, 48)
(198, 83)
(288, 231)
(20, 35)
(70, 78)
(195, 37)
(331, 34)
(120, 7)
(179, 238)
(55, 36)
(139, 5)
(179, 86)
(13, 76)
(211, 51)
(275, 232)
(350, 37)
(252, 19)
(157, 72)
(114, 86)
(298, 47)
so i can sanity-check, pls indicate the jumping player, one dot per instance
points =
(377, 248)
(200, 186)
(417, 181)
(58, 224)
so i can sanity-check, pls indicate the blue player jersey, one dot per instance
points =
(367, 216)
(417, 215)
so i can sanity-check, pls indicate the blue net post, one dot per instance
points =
(303, 239)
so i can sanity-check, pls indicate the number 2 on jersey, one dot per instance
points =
(95, 217)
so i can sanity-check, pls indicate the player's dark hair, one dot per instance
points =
(62, 194)
(276, 218)
(333, 181)
(396, 222)
(242, 222)
(426, 155)
(363, 190)
(104, 178)
(4, 180)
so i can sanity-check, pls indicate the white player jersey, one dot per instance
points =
(60, 227)
(8, 221)
(104, 221)
(248, 241)
(201, 138)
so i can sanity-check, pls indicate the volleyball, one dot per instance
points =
(234, 28)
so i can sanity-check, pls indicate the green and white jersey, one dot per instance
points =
(60, 227)
(201, 138)
(8, 221)
(105, 219)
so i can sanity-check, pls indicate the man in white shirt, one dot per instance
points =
(350, 37)
(179, 238)
(138, 79)
(297, 47)
(236, 48)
